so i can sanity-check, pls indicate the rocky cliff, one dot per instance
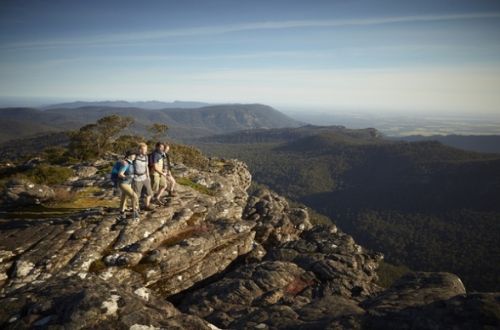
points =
(214, 257)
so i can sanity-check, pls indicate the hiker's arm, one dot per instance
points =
(158, 168)
(121, 173)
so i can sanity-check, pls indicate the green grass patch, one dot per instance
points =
(86, 198)
(79, 201)
(196, 186)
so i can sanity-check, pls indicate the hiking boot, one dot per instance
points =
(173, 194)
(149, 208)
(136, 217)
(158, 202)
(122, 216)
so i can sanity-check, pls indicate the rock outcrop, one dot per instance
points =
(19, 192)
(213, 258)
(91, 303)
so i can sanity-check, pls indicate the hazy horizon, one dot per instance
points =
(392, 57)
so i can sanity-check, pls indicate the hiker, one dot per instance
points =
(157, 175)
(167, 167)
(122, 175)
(141, 177)
(160, 169)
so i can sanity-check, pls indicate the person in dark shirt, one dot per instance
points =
(157, 171)
(167, 168)
(161, 172)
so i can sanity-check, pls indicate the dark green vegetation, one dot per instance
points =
(389, 273)
(21, 149)
(94, 140)
(48, 174)
(425, 205)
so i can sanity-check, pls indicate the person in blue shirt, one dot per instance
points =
(125, 178)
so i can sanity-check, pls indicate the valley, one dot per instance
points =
(425, 205)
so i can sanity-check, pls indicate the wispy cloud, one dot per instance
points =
(124, 38)
(201, 58)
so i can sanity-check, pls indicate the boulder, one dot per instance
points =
(90, 303)
(85, 171)
(22, 192)
(276, 221)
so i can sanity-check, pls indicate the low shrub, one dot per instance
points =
(49, 174)
(189, 156)
(59, 156)
(127, 142)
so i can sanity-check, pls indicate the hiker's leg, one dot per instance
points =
(155, 184)
(123, 199)
(138, 185)
(171, 183)
(149, 191)
(127, 192)
(135, 202)
(161, 184)
(132, 195)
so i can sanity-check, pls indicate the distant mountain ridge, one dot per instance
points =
(150, 105)
(183, 123)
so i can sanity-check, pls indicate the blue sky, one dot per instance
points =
(378, 56)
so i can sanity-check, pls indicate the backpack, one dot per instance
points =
(142, 166)
(115, 170)
(151, 162)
